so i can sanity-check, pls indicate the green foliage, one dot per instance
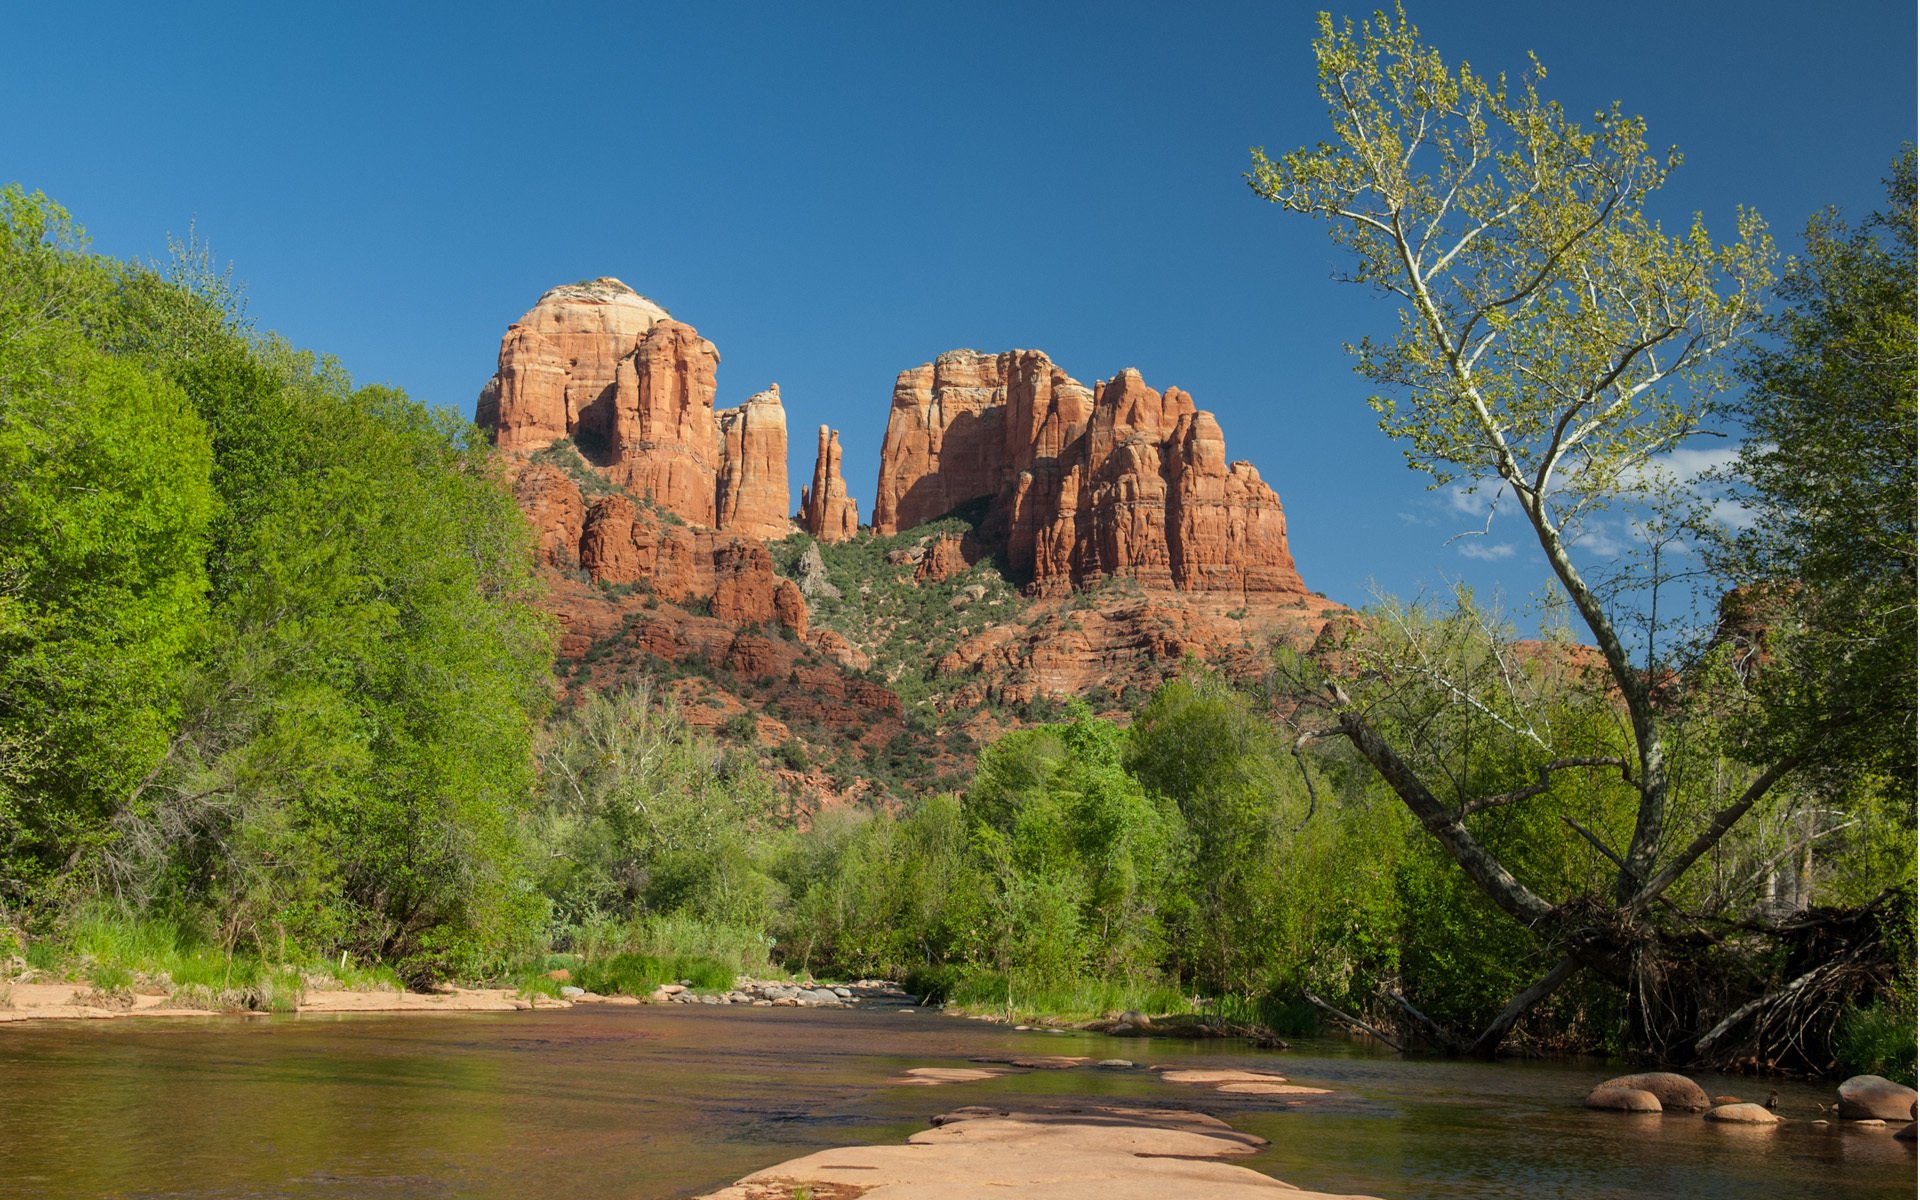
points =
(267, 654)
(1879, 1039)
(644, 815)
(639, 974)
(105, 505)
(1827, 477)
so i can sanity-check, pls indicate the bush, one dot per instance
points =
(1879, 1039)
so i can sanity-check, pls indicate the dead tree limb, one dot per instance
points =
(1490, 1038)
(1350, 1020)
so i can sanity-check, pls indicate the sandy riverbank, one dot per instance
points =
(84, 1002)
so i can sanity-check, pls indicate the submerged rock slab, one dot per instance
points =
(1079, 1153)
(1240, 1082)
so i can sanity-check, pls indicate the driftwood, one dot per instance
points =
(1350, 1020)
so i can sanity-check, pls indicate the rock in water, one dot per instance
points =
(1872, 1097)
(1742, 1114)
(1676, 1093)
(1623, 1099)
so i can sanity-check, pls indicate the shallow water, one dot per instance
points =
(672, 1101)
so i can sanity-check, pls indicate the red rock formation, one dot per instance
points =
(942, 559)
(664, 441)
(555, 509)
(634, 389)
(790, 607)
(826, 511)
(1080, 484)
(753, 468)
(557, 364)
(743, 584)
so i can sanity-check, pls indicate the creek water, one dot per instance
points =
(663, 1101)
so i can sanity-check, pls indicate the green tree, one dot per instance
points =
(643, 814)
(1553, 339)
(105, 503)
(1827, 476)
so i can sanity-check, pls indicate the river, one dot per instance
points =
(648, 1102)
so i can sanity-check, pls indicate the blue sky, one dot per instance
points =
(836, 193)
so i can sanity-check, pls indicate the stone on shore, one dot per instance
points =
(1870, 1097)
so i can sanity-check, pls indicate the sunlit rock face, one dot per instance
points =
(826, 511)
(634, 390)
(1080, 483)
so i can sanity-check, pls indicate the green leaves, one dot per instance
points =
(266, 653)
(1550, 335)
(1827, 481)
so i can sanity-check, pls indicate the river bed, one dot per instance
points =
(661, 1102)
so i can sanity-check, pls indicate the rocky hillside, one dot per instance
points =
(1033, 539)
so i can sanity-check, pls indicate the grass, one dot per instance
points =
(635, 957)
(1080, 999)
(117, 955)
(1879, 1040)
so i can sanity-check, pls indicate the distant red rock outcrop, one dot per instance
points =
(753, 467)
(1080, 483)
(634, 389)
(826, 511)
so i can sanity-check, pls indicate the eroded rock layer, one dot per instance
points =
(826, 511)
(752, 495)
(1080, 483)
(634, 389)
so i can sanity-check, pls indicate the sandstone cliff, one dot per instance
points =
(826, 511)
(634, 389)
(753, 467)
(1080, 483)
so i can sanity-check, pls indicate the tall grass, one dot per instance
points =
(1078, 999)
(634, 957)
(116, 952)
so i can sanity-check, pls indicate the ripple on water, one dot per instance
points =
(670, 1101)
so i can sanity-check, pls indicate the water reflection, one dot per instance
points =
(662, 1102)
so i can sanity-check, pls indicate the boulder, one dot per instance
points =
(811, 573)
(1871, 1097)
(1623, 1099)
(1676, 1093)
(1742, 1114)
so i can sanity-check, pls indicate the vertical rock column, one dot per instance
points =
(826, 511)
(752, 499)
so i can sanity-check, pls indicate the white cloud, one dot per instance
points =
(1476, 499)
(1731, 513)
(1690, 463)
(1486, 551)
(1597, 539)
